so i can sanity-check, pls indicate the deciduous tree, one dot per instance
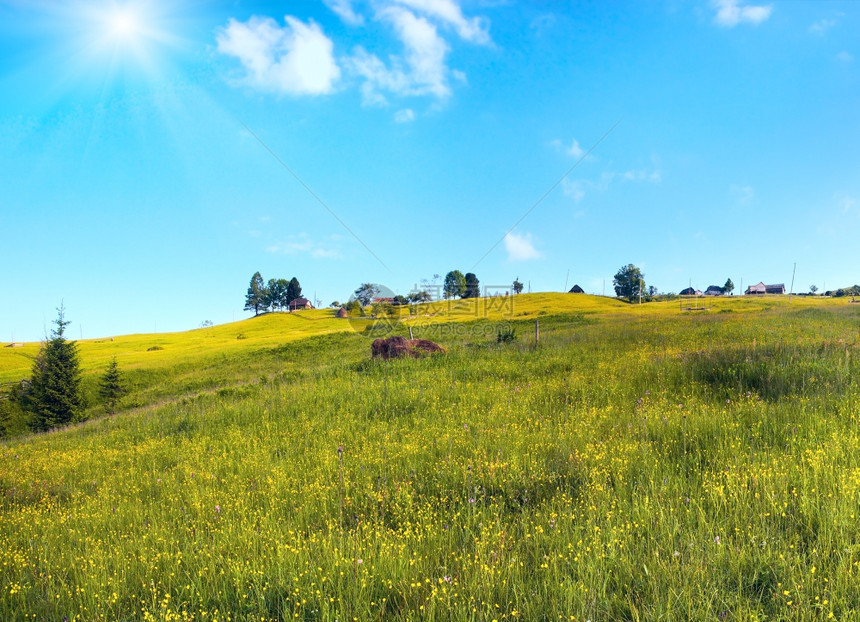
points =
(420, 296)
(366, 292)
(454, 285)
(275, 291)
(629, 282)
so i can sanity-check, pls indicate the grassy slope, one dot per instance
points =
(643, 463)
(132, 351)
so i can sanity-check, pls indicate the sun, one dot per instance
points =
(129, 35)
(116, 43)
(124, 25)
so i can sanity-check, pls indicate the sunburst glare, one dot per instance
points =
(130, 37)
(123, 24)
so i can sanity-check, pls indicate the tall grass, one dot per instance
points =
(631, 467)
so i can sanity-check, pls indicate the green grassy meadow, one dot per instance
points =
(640, 463)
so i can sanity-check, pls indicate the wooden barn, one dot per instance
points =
(300, 303)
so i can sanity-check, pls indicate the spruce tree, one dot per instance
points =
(112, 386)
(255, 299)
(294, 290)
(473, 286)
(55, 387)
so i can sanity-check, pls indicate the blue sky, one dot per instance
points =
(138, 183)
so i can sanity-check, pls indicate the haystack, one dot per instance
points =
(397, 347)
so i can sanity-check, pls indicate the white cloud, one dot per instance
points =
(302, 244)
(296, 59)
(742, 194)
(574, 150)
(325, 253)
(377, 77)
(844, 57)
(423, 71)
(344, 10)
(450, 14)
(425, 51)
(653, 176)
(404, 116)
(520, 247)
(730, 13)
(576, 189)
(847, 203)
(822, 26)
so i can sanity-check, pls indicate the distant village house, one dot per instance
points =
(714, 290)
(576, 289)
(300, 303)
(759, 289)
(689, 291)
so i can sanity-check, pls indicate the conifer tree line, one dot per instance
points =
(272, 296)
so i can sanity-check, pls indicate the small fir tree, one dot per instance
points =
(112, 386)
(55, 388)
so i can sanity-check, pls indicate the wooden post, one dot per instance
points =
(537, 331)
(410, 334)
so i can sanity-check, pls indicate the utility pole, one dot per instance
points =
(792, 281)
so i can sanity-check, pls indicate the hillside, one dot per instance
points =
(136, 352)
(642, 462)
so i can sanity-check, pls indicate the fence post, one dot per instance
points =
(410, 334)
(537, 331)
